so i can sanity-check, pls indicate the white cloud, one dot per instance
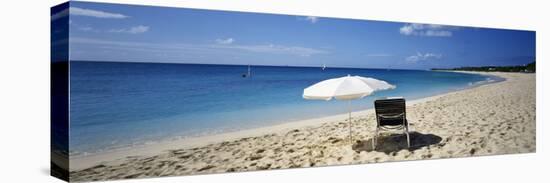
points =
(202, 48)
(86, 12)
(225, 41)
(277, 49)
(60, 14)
(86, 29)
(429, 30)
(95, 13)
(132, 30)
(312, 19)
(296, 50)
(423, 57)
(138, 29)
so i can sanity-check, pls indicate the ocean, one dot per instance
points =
(119, 105)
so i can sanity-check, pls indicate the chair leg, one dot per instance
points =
(408, 141)
(375, 140)
(408, 138)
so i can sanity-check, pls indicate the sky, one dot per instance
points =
(130, 33)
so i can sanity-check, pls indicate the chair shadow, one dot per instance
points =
(397, 142)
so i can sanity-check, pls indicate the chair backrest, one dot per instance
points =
(390, 107)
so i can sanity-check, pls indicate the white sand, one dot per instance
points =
(498, 118)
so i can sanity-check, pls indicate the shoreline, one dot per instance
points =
(80, 162)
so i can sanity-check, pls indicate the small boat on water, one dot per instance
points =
(324, 67)
(247, 75)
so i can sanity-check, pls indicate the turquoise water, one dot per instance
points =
(116, 105)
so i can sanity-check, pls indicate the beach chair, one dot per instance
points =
(391, 115)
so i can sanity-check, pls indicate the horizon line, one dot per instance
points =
(191, 63)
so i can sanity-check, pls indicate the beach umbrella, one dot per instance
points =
(345, 88)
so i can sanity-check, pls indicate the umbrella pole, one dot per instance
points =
(349, 109)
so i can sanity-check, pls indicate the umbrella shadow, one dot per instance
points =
(397, 142)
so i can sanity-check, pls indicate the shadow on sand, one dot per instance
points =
(397, 142)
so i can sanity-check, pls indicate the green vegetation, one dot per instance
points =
(519, 68)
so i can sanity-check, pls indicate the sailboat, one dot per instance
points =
(247, 75)
(324, 67)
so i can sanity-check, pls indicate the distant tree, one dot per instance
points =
(531, 67)
(520, 68)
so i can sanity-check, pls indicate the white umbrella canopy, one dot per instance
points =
(345, 88)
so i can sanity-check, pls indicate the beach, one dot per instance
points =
(491, 119)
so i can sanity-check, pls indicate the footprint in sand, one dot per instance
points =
(254, 158)
(473, 151)
(208, 167)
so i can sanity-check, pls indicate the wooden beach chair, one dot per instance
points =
(391, 115)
